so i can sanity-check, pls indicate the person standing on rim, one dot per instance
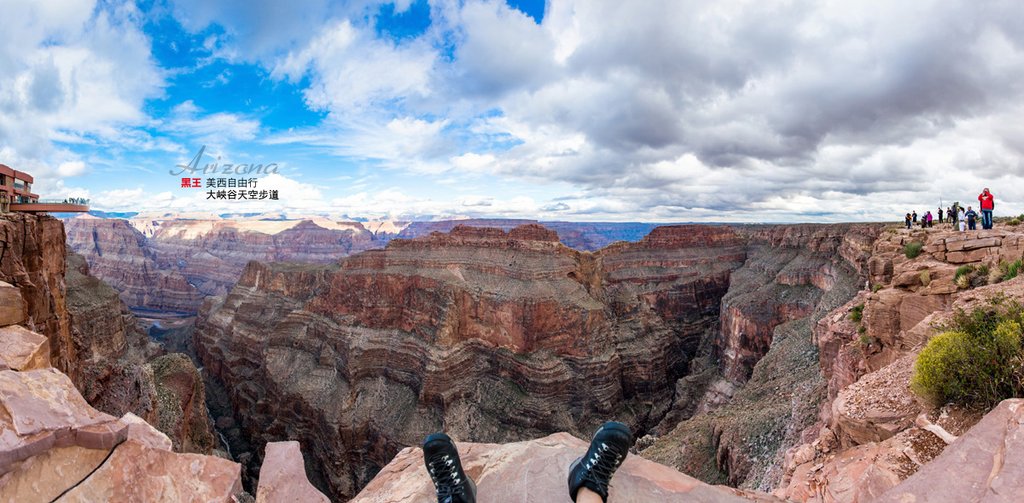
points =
(914, 216)
(988, 203)
(940, 212)
(907, 220)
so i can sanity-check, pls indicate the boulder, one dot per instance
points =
(12, 305)
(283, 476)
(41, 409)
(22, 349)
(136, 472)
(877, 406)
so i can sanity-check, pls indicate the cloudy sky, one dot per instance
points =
(673, 110)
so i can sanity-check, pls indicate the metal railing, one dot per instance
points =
(70, 200)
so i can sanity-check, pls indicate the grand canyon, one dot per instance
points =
(312, 356)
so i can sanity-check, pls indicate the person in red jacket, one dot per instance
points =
(988, 203)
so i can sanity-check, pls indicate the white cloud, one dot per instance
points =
(71, 168)
(73, 72)
(215, 129)
(354, 72)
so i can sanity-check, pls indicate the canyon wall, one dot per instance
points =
(171, 265)
(32, 261)
(497, 335)
(168, 264)
(93, 338)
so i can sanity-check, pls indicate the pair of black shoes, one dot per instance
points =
(593, 470)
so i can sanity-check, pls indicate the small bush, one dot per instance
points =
(970, 369)
(876, 287)
(865, 340)
(913, 249)
(1013, 221)
(862, 329)
(926, 278)
(995, 275)
(857, 313)
(963, 271)
(1012, 270)
(962, 282)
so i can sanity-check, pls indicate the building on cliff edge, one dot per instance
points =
(16, 195)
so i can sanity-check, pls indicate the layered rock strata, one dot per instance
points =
(32, 261)
(874, 432)
(490, 335)
(118, 254)
(497, 336)
(749, 405)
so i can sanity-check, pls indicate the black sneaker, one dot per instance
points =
(445, 469)
(595, 469)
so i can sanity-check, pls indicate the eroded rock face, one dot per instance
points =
(867, 348)
(171, 265)
(118, 254)
(489, 335)
(983, 465)
(121, 371)
(32, 260)
(497, 336)
(12, 305)
(536, 470)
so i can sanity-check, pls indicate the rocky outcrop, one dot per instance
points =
(118, 254)
(483, 321)
(57, 448)
(23, 349)
(770, 388)
(867, 441)
(32, 261)
(480, 322)
(536, 470)
(121, 371)
(283, 476)
(984, 465)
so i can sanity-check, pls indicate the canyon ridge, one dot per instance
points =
(731, 351)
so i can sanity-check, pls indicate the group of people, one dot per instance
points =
(957, 216)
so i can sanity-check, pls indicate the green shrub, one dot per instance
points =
(862, 329)
(857, 313)
(970, 369)
(978, 358)
(1012, 270)
(876, 287)
(1013, 221)
(913, 249)
(962, 271)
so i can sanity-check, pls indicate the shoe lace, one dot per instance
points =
(446, 478)
(602, 465)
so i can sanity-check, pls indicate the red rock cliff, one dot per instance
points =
(490, 335)
(32, 260)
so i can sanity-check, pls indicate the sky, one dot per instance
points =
(580, 110)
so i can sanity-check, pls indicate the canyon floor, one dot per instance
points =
(763, 363)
